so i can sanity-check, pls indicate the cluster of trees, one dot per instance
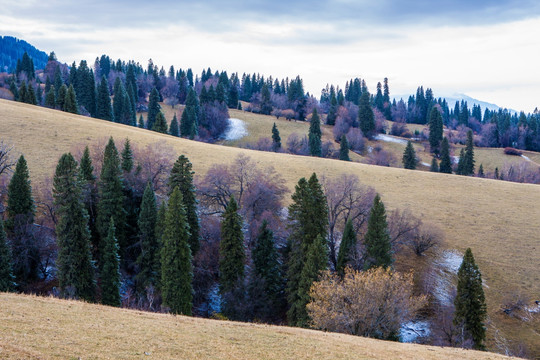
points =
(12, 50)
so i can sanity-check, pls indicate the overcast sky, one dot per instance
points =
(486, 49)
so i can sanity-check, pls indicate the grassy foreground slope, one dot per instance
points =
(47, 328)
(497, 219)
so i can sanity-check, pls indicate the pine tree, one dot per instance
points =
(377, 239)
(468, 164)
(174, 130)
(346, 248)
(141, 122)
(434, 165)
(231, 249)
(90, 196)
(344, 149)
(75, 268)
(461, 163)
(30, 95)
(446, 164)
(50, 99)
(366, 118)
(61, 97)
(121, 105)
(435, 130)
(160, 124)
(147, 236)
(470, 302)
(309, 214)
(276, 139)
(176, 268)
(7, 280)
(153, 108)
(409, 157)
(481, 171)
(22, 92)
(104, 109)
(70, 101)
(189, 122)
(266, 103)
(182, 177)
(20, 204)
(315, 148)
(110, 268)
(127, 157)
(111, 196)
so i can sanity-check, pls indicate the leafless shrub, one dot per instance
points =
(6, 157)
(381, 157)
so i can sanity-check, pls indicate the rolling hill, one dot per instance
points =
(497, 219)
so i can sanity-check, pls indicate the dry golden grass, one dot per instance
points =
(497, 219)
(47, 328)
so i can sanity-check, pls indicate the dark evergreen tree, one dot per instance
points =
(231, 249)
(315, 148)
(153, 108)
(127, 157)
(344, 149)
(346, 248)
(22, 93)
(110, 269)
(189, 122)
(30, 96)
(434, 165)
(7, 280)
(182, 177)
(176, 268)
(20, 204)
(74, 262)
(160, 124)
(104, 109)
(377, 239)
(435, 130)
(90, 196)
(61, 97)
(446, 164)
(481, 171)
(266, 103)
(332, 111)
(111, 196)
(470, 301)
(461, 163)
(366, 118)
(147, 259)
(468, 162)
(174, 129)
(276, 139)
(409, 157)
(141, 122)
(70, 101)
(50, 99)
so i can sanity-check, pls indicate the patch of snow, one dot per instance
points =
(413, 330)
(235, 130)
(446, 267)
(389, 138)
(535, 309)
(425, 164)
(526, 157)
(455, 159)
(370, 149)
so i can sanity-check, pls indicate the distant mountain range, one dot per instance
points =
(12, 49)
(451, 100)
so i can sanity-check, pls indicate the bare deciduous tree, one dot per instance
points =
(6, 160)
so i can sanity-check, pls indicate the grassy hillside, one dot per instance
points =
(47, 328)
(497, 219)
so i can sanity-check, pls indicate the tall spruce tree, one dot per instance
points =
(315, 147)
(61, 97)
(74, 262)
(7, 280)
(346, 248)
(446, 164)
(461, 163)
(70, 101)
(182, 177)
(174, 129)
(147, 237)
(189, 122)
(309, 218)
(110, 268)
(377, 239)
(435, 130)
(153, 108)
(409, 157)
(344, 149)
(50, 98)
(160, 124)
(111, 196)
(104, 109)
(434, 165)
(20, 204)
(468, 163)
(127, 157)
(90, 197)
(276, 139)
(176, 268)
(470, 301)
(141, 122)
(366, 118)
(231, 249)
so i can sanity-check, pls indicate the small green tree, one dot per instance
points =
(153, 108)
(231, 249)
(70, 101)
(7, 280)
(481, 171)
(409, 157)
(470, 302)
(104, 109)
(160, 124)
(346, 248)
(174, 130)
(276, 139)
(110, 269)
(61, 97)
(435, 130)
(20, 204)
(468, 164)
(366, 118)
(147, 236)
(377, 239)
(176, 268)
(314, 136)
(141, 122)
(461, 163)
(446, 163)
(434, 165)
(127, 157)
(75, 268)
(344, 149)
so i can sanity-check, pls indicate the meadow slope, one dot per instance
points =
(497, 219)
(46, 328)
